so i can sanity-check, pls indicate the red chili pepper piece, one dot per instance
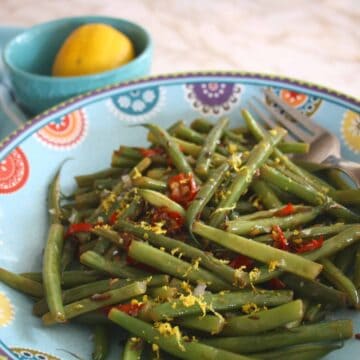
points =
(279, 238)
(113, 217)
(276, 284)
(173, 220)
(311, 245)
(151, 152)
(242, 260)
(78, 228)
(130, 308)
(183, 188)
(286, 210)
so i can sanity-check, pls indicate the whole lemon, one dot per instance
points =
(93, 48)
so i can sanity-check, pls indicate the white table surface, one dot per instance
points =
(317, 41)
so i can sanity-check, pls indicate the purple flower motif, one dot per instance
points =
(213, 97)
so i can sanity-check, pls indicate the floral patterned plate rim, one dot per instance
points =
(87, 129)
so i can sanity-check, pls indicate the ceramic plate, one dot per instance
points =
(87, 129)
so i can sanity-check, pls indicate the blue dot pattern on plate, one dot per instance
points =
(138, 105)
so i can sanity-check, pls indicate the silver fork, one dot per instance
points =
(324, 146)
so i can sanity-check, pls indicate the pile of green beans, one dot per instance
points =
(211, 243)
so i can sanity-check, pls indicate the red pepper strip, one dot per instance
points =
(183, 188)
(113, 217)
(173, 220)
(286, 210)
(279, 238)
(78, 228)
(276, 284)
(151, 152)
(240, 261)
(311, 245)
(130, 309)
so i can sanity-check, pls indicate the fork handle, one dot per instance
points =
(350, 168)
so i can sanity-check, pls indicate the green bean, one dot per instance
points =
(261, 252)
(98, 262)
(171, 148)
(87, 246)
(133, 349)
(264, 225)
(340, 281)
(158, 173)
(98, 301)
(337, 180)
(294, 147)
(21, 283)
(300, 352)
(54, 198)
(89, 199)
(356, 272)
(103, 209)
(207, 260)
(204, 159)
(345, 258)
(163, 293)
(258, 132)
(266, 195)
(169, 264)
(206, 192)
(336, 330)
(122, 162)
(89, 179)
(313, 312)
(336, 243)
(109, 234)
(240, 183)
(69, 278)
(346, 197)
(51, 273)
(264, 320)
(107, 184)
(212, 324)
(96, 317)
(308, 193)
(101, 342)
(171, 344)
(67, 255)
(130, 152)
(314, 290)
(159, 200)
(188, 134)
(101, 246)
(225, 301)
(145, 182)
(204, 126)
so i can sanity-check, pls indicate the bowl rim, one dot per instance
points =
(146, 52)
(17, 136)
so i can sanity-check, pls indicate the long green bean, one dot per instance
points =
(261, 252)
(266, 194)
(171, 147)
(191, 305)
(21, 283)
(51, 273)
(204, 159)
(239, 185)
(336, 330)
(98, 301)
(133, 349)
(264, 320)
(341, 281)
(171, 343)
(101, 343)
(169, 264)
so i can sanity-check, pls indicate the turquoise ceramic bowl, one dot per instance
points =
(29, 58)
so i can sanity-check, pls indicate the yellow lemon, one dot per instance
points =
(93, 48)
